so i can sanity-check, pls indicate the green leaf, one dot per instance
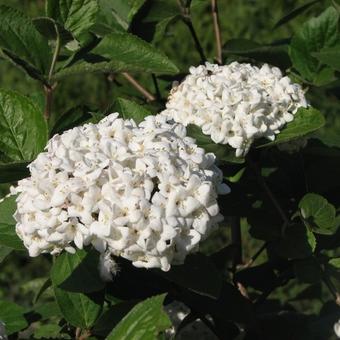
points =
(133, 51)
(316, 34)
(50, 29)
(308, 270)
(294, 13)
(145, 321)
(12, 316)
(78, 309)
(11, 172)
(318, 214)
(198, 273)
(329, 56)
(83, 67)
(48, 331)
(305, 122)
(47, 310)
(335, 262)
(23, 129)
(298, 242)
(70, 271)
(275, 54)
(77, 16)
(21, 42)
(111, 317)
(131, 110)
(222, 152)
(4, 252)
(8, 236)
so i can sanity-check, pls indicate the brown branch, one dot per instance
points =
(149, 97)
(217, 30)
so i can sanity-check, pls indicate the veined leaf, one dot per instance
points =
(145, 321)
(23, 129)
(12, 315)
(22, 43)
(329, 56)
(305, 121)
(77, 16)
(315, 35)
(318, 214)
(133, 51)
(131, 110)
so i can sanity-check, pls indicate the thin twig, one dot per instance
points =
(331, 287)
(217, 30)
(255, 256)
(270, 194)
(149, 97)
(48, 101)
(158, 92)
(186, 17)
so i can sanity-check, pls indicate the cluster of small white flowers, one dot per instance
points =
(236, 103)
(337, 328)
(146, 193)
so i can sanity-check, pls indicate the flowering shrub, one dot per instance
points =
(207, 211)
(146, 193)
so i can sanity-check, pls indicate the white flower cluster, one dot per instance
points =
(146, 193)
(337, 328)
(236, 103)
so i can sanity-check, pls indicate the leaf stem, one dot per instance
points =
(328, 282)
(186, 17)
(217, 30)
(268, 191)
(55, 54)
(48, 101)
(255, 256)
(149, 97)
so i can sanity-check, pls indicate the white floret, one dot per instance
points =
(147, 193)
(235, 104)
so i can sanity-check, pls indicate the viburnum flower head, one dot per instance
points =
(146, 193)
(237, 103)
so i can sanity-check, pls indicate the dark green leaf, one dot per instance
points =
(222, 152)
(78, 309)
(275, 54)
(198, 273)
(132, 51)
(70, 271)
(111, 317)
(145, 321)
(329, 56)
(11, 172)
(23, 129)
(305, 122)
(12, 316)
(294, 13)
(4, 252)
(83, 67)
(318, 214)
(298, 242)
(51, 29)
(47, 310)
(8, 236)
(71, 118)
(20, 39)
(77, 16)
(308, 270)
(315, 35)
(42, 289)
(131, 110)
(48, 331)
